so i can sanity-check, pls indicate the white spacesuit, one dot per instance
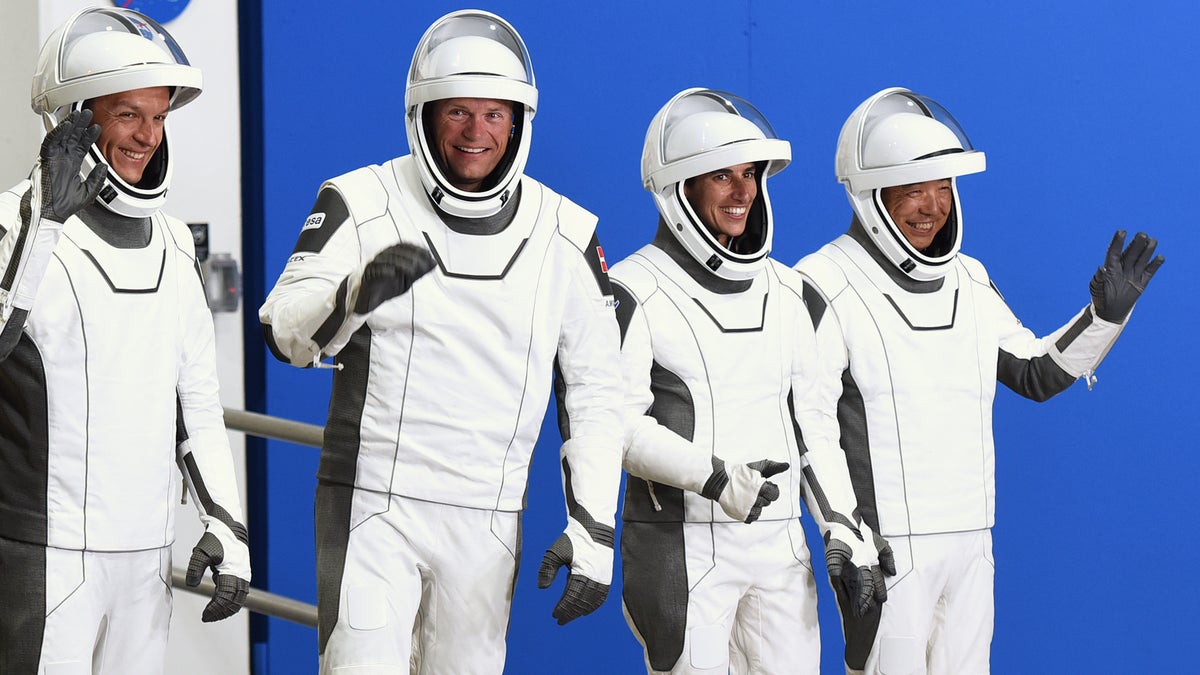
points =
(108, 383)
(724, 389)
(926, 336)
(444, 377)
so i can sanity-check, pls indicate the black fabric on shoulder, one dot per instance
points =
(327, 214)
(626, 304)
(815, 304)
(595, 258)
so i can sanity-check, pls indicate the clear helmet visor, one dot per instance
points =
(915, 104)
(896, 138)
(117, 21)
(471, 54)
(101, 51)
(899, 137)
(700, 131)
(705, 130)
(477, 55)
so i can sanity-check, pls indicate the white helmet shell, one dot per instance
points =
(101, 51)
(897, 137)
(470, 54)
(703, 130)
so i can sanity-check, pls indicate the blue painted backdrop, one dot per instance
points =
(1087, 113)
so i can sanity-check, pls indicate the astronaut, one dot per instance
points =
(926, 336)
(723, 391)
(107, 367)
(450, 288)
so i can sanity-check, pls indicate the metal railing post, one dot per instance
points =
(265, 426)
(263, 602)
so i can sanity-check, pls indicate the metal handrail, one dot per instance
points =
(275, 428)
(263, 602)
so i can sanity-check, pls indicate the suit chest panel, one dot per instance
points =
(727, 349)
(109, 303)
(925, 342)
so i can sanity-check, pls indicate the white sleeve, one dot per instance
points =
(1038, 368)
(590, 389)
(203, 452)
(25, 250)
(816, 388)
(308, 315)
(652, 451)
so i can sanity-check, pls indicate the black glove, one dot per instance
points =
(743, 490)
(230, 592)
(1117, 284)
(582, 595)
(391, 273)
(863, 585)
(62, 153)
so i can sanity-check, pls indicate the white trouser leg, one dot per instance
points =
(776, 628)
(107, 613)
(938, 616)
(426, 587)
(962, 645)
(751, 600)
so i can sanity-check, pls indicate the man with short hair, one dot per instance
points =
(925, 338)
(449, 288)
(108, 382)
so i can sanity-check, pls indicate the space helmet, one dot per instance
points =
(897, 137)
(107, 50)
(470, 54)
(704, 130)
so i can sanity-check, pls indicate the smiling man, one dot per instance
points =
(925, 336)
(472, 136)
(449, 288)
(131, 128)
(108, 382)
(920, 210)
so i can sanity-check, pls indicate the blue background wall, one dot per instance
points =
(1087, 114)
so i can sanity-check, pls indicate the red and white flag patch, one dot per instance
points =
(603, 262)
